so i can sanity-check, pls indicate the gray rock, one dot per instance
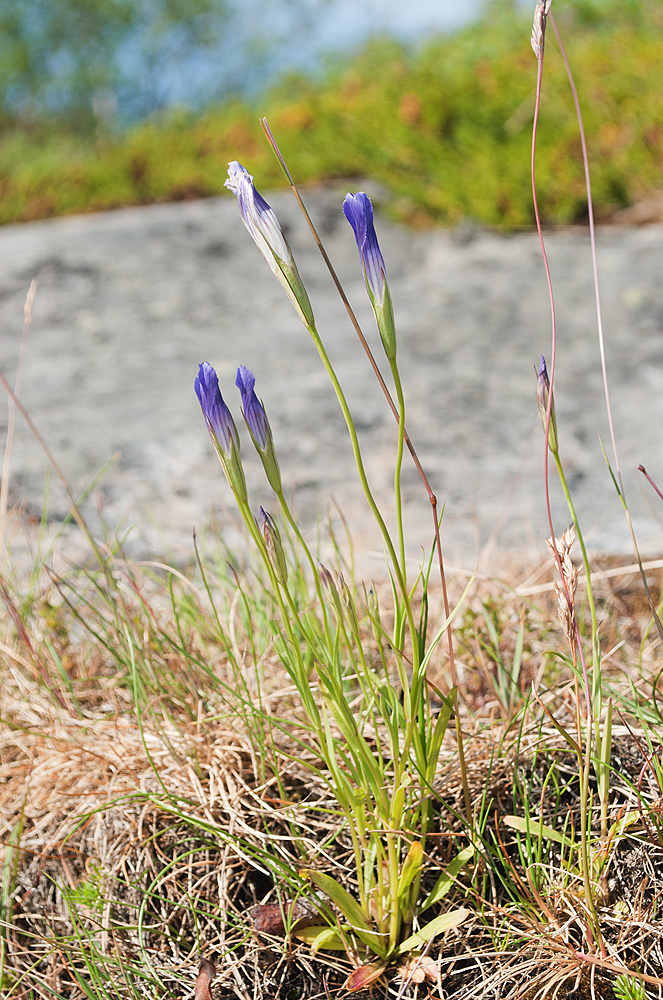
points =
(129, 302)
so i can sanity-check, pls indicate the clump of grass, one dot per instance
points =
(170, 795)
(322, 783)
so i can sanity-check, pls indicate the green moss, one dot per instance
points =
(446, 127)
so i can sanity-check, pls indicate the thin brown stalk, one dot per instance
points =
(27, 319)
(649, 479)
(599, 319)
(73, 506)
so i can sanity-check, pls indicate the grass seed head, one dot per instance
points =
(567, 588)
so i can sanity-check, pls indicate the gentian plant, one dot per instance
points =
(373, 725)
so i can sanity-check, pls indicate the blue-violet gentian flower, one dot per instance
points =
(258, 425)
(221, 427)
(543, 398)
(358, 211)
(262, 224)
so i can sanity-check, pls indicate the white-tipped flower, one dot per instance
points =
(262, 224)
(541, 12)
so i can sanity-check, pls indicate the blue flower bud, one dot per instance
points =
(358, 210)
(252, 408)
(221, 427)
(258, 425)
(217, 415)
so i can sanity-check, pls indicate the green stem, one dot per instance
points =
(584, 834)
(581, 541)
(301, 678)
(367, 490)
(593, 708)
(395, 914)
(399, 464)
(285, 510)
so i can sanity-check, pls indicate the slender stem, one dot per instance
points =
(584, 769)
(356, 838)
(367, 490)
(581, 541)
(592, 240)
(599, 320)
(553, 350)
(285, 510)
(73, 506)
(392, 863)
(286, 605)
(649, 479)
(399, 467)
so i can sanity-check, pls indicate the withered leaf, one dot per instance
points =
(418, 968)
(268, 917)
(363, 976)
(206, 974)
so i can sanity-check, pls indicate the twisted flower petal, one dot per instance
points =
(258, 217)
(217, 415)
(258, 425)
(358, 210)
(221, 427)
(254, 411)
(274, 546)
(543, 399)
(262, 224)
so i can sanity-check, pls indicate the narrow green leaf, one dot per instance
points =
(536, 828)
(560, 729)
(446, 879)
(437, 926)
(439, 730)
(348, 906)
(321, 937)
(440, 632)
(518, 656)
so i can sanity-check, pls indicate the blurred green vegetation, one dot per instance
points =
(446, 127)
